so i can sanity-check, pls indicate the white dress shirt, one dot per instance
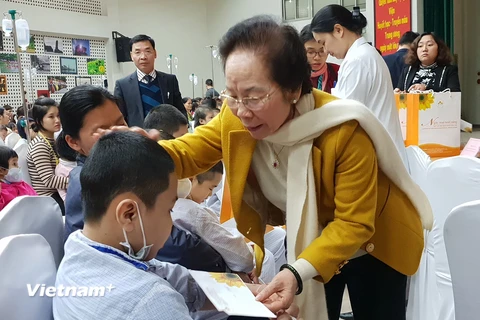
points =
(142, 76)
(364, 77)
(141, 290)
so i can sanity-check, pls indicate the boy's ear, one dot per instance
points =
(73, 143)
(125, 213)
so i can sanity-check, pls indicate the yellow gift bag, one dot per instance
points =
(431, 121)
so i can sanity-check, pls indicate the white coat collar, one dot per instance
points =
(359, 42)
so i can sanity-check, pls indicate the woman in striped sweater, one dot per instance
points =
(41, 155)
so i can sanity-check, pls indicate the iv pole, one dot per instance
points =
(20, 73)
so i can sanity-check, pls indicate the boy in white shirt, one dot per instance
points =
(190, 215)
(128, 189)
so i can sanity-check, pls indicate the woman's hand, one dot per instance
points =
(397, 90)
(418, 87)
(152, 134)
(279, 294)
(292, 311)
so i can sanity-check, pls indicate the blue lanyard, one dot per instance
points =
(137, 264)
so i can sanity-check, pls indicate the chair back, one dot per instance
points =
(35, 215)
(449, 183)
(418, 162)
(12, 139)
(21, 149)
(423, 297)
(26, 265)
(461, 242)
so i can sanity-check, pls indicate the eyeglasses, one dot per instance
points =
(251, 103)
(313, 54)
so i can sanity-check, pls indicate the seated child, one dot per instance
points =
(165, 119)
(183, 247)
(12, 184)
(12, 126)
(67, 160)
(3, 132)
(129, 188)
(203, 115)
(189, 215)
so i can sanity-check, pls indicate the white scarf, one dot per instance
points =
(302, 229)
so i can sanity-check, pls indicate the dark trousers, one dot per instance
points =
(377, 291)
(59, 200)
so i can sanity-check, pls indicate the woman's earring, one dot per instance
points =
(294, 101)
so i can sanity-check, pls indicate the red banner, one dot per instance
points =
(392, 20)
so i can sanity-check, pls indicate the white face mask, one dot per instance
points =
(184, 187)
(142, 254)
(14, 175)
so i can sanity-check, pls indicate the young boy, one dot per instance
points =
(168, 120)
(189, 215)
(183, 247)
(129, 188)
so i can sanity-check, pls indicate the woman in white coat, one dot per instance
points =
(363, 75)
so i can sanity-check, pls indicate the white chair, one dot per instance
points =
(423, 297)
(418, 162)
(450, 182)
(461, 232)
(12, 139)
(40, 215)
(21, 149)
(25, 260)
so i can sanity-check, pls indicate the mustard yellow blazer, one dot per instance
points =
(357, 203)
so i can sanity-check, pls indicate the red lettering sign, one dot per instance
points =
(392, 20)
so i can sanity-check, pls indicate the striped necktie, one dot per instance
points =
(148, 78)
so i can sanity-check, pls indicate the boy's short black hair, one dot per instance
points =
(141, 38)
(63, 149)
(209, 82)
(7, 107)
(165, 118)
(408, 38)
(20, 112)
(210, 174)
(6, 154)
(123, 162)
(11, 125)
(209, 102)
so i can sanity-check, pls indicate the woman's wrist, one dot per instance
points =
(306, 270)
(295, 273)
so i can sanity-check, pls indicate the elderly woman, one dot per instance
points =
(308, 160)
(429, 66)
(324, 75)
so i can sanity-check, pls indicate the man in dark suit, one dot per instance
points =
(396, 61)
(146, 88)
